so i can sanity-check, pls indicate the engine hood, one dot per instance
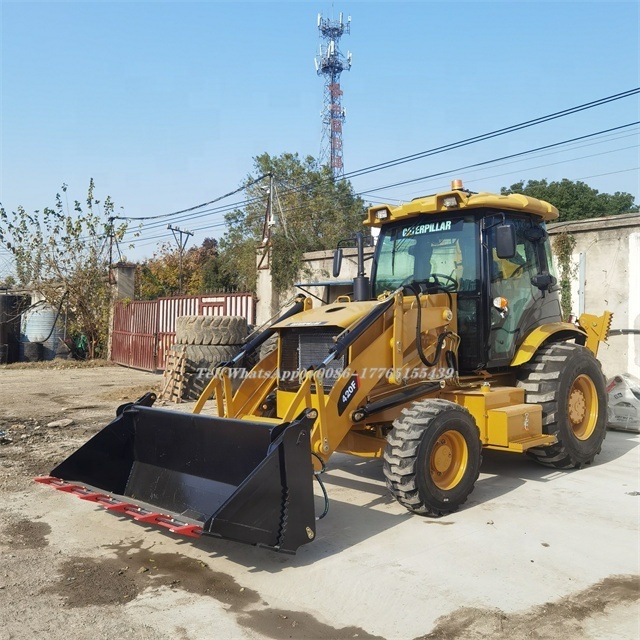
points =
(338, 314)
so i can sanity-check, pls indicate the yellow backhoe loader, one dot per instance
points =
(454, 344)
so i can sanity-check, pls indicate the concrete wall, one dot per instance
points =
(609, 249)
(607, 261)
(317, 267)
(123, 280)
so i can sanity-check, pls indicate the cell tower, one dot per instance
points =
(330, 63)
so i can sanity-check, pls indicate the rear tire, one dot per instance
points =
(211, 330)
(200, 356)
(432, 457)
(567, 380)
(268, 346)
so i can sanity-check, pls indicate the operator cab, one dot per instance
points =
(495, 262)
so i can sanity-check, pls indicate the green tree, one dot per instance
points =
(8, 282)
(159, 276)
(214, 276)
(575, 200)
(65, 254)
(312, 211)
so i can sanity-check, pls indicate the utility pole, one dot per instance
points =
(111, 236)
(269, 221)
(181, 236)
(330, 63)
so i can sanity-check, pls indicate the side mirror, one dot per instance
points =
(337, 262)
(505, 241)
(544, 281)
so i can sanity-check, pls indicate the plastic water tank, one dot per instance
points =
(38, 326)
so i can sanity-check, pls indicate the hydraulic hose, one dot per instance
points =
(441, 338)
(263, 336)
(316, 475)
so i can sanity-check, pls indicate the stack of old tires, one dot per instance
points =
(207, 340)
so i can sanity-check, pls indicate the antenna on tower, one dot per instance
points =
(330, 63)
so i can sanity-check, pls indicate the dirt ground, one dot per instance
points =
(72, 571)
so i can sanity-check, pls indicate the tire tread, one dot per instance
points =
(401, 455)
(541, 378)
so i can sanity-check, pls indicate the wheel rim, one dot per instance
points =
(449, 459)
(583, 407)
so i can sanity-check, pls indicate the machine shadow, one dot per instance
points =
(615, 445)
(361, 507)
(346, 525)
(502, 472)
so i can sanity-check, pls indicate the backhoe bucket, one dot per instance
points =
(239, 479)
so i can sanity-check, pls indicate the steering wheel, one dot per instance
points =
(452, 282)
(518, 271)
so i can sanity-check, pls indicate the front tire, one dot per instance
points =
(432, 457)
(567, 380)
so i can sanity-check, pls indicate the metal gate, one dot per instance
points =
(133, 341)
(144, 330)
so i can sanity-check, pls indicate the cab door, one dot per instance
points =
(516, 302)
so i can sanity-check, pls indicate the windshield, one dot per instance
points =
(436, 250)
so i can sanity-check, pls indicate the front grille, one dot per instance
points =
(303, 348)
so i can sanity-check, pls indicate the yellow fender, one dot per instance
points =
(539, 335)
(592, 330)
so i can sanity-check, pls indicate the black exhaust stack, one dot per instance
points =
(361, 284)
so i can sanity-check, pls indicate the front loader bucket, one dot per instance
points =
(239, 479)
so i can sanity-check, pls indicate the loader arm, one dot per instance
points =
(383, 353)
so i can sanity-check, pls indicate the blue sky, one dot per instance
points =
(164, 104)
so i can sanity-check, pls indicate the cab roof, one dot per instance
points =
(459, 200)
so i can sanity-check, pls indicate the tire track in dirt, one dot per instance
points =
(564, 618)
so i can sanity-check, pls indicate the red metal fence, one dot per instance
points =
(133, 336)
(144, 330)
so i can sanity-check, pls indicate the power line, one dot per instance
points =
(512, 155)
(194, 208)
(492, 134)
(612, 137)
(294, 210)
(609, 173)
(153, 225)
(489, 162)
(364, 192)
(486, 136)
(423, 154)
(416, 156)
(202, 214)
(540, 166)
(482, 137)
(439, 174)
